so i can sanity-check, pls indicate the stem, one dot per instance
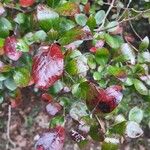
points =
(8, 129)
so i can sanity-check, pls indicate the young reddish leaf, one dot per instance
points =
(68, 9)
(26, 3)
(87, 8)
(53, 108)
(48, 66)
(47, 97)
(52, 140)
(10, 48)
(93, 49)
(104, 101)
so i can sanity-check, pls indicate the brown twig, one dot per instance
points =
(8, 129)
(124, 20)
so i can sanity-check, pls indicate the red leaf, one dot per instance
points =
(52, 140)
(48, 66)
(105, 101)
(26, 3)
(53, 108)
(47, 97)
(10, 48)
(87, 8)
(93, 49)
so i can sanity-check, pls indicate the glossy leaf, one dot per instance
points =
(47, 66)
(53, 3)
(117, 72)
(109, 145)
(68, 9)
(102, 56)
(81, 19)
(21, 77)
(113, 41)
(56, 121)
(96, 133)
(26, 3)
(118, 128)
(78, 110)
(140, 87)
(22, 46)
(10, 48)
(53, 108)
(52, 139)
(104, 101)
(47, 17)
(5, 27)
(144, 44)
(99, 16)
(128, 52)
(133, 130)
(10, 84)
(136, 114)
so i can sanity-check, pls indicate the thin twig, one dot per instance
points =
(125, 9)
(134, 30)
(124, 20)
(107, 13)
(8, 129)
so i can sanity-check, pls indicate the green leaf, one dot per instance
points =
(47, 17)
(81, 19)
(117, 71)
(96, 134)
(29, 38)
(118, 128)
(109, 146)
(70, 36)
(112, 26)
(91, 23)
(22, 46)
(10, 84)
(133, 130)
(56, 121)
(99, 16)
(21, 77)
(102, 56)
(71, 67)
(20, 18)
(144, 57)
(136, 114)
(53, 3)
(144, 44)
(40, 36)
(80, 90)
(68, 9)
(5, 27)
(140, 87)
(78, 110)
(4, 76)
(97, 75)
(128, 52)
(113, 41)
(56, 88)
(91, 61)
(2, 42)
